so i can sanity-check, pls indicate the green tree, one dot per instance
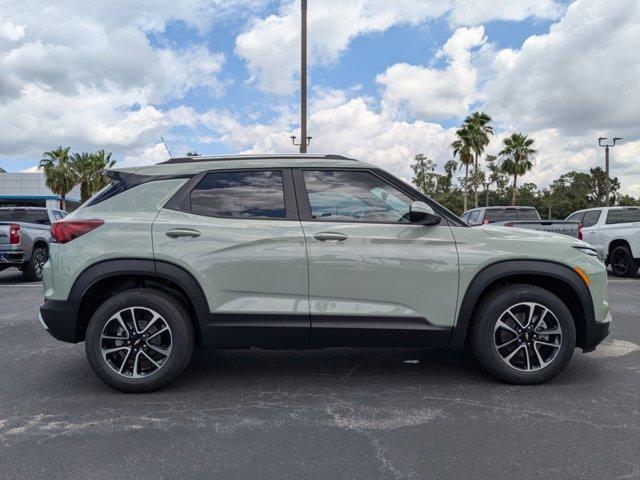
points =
(89, 170)
(517, 158)
(477, 133)
(462, 149)
(59, 175)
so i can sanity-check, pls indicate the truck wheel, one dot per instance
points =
(523, 334)
(139, 340)
(32, 271)
(622, 262)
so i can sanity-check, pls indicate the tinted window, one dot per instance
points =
(591, 218)
(475, 217)
(626, 215)
(240, 195)
(40, 217)
(57, 215)
(494, 215)
(6, 215)
(528, 214)
(465, 217)
(576, 217)
(355, 197)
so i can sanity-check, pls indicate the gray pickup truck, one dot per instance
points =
(24, 238)
(520, 217)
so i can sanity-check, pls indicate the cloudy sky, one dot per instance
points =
(388, 79)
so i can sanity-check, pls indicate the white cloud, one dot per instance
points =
(343, 125)
(432, 93)
(582, 75)
(11, 31)
(91, 77)
(270, 46)
(146, 156)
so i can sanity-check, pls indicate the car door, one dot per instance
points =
(374, 278)
(589, 230)
(237, 233)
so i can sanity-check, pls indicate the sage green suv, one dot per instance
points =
(284, 251)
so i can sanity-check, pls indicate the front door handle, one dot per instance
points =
(330, 237)
(182, 232)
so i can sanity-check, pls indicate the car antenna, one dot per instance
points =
(165, 146)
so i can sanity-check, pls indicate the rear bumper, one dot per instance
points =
(11, 257)
(60, 319)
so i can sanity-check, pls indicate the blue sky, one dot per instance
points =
(388, 80)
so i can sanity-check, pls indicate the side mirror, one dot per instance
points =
(422, 214)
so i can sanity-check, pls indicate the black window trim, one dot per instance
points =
(305, 208)
(181, 200)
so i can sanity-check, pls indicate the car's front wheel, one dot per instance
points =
(523, 334)
(139, 340)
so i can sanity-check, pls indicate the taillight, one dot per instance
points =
(580, 232)
(14, 234)
(67, 230)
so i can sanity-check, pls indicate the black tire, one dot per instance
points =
(622, 262)
(181, 339)
(32, 271)
(483, 335)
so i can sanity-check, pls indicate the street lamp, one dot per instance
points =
(606, 162)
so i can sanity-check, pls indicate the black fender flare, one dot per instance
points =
(154, 269)
(520, 268)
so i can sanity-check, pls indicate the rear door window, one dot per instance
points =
(528, 214)
(576, 217)
(475, 218)
(591, 218)
(240, 194)
(626, 215)
(494, 215)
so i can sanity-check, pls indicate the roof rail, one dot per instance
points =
(219, 158)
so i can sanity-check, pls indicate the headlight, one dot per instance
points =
(592, 252)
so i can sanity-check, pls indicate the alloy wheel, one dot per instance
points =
(619, 263)
(41, 259)
(527, 336)
(136, 342)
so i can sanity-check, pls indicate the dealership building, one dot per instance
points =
(28, 189)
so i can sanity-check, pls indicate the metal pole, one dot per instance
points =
(606, 181)
(303, 79)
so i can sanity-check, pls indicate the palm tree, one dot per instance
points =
(478, 131)
(517, 158)
(59, 175)
(89, 169)
(462, 149)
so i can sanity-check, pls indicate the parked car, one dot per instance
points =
(520, 217)
(615, 233)
(24, 238)
(308, 251)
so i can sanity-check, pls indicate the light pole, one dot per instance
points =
(305, 141)
(606, 163)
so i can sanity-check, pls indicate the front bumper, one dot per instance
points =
(59, 318)
(595, 333)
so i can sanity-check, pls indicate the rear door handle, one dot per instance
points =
(182, 232)
(330, 237)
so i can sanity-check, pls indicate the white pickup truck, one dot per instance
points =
(615, 233)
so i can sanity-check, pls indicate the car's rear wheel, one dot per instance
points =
(32, 271)
(523, 334)
(622, 262)
(139, 340)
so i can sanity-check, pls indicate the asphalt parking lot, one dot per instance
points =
(331, 414)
